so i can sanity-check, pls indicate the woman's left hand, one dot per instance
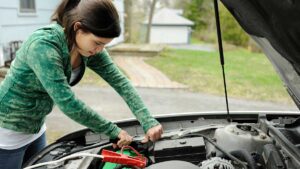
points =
(153, 134)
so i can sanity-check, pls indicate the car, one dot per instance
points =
(214, 140)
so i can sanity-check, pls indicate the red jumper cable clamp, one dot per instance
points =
(113, 157)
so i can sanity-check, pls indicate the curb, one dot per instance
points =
(126, 49)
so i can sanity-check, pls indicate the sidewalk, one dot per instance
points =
(131, 59)
(142, 74)
(129, 49)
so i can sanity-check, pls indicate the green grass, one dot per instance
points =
(249, 75)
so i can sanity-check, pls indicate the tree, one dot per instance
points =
(128, 21)
(231, 30)
(152, 9)
(201, 12)
(172, 3)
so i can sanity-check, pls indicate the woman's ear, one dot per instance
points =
(77, 26)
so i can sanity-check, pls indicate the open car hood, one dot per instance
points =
(275, 26)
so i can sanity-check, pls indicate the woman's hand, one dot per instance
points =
(153, 134)
(124, 139)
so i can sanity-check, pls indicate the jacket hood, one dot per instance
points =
(275, 26)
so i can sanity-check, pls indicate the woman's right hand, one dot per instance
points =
(124, 139)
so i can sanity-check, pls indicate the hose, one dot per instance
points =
(243, 164)
(56, 162)
(245, 156)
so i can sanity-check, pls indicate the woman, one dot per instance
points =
(49, 61)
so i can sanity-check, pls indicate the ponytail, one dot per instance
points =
(65, 7)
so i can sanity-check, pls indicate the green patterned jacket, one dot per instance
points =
(39, 76)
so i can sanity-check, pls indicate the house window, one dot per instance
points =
(27, 6)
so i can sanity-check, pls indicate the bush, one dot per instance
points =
(202, 14)
(231, 30)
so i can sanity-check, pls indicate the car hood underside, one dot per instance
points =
(275, 26)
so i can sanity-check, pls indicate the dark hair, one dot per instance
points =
(99, 17)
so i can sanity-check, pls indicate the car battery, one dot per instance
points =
(190, 149)
(109, 165)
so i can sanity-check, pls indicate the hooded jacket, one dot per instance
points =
(39, 78)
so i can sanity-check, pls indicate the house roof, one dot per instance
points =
(168, 16)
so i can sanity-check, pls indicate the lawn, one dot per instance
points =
(249, 75)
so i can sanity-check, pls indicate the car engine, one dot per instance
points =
(197, 142)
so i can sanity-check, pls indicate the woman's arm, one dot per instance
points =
(45, 59)
(102, 64)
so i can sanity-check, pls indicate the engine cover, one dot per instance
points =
(186, 149)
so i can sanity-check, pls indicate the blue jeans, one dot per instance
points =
(13, 159)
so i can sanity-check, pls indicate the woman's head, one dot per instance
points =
(98, 17)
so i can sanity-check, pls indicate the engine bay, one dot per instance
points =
(189, 142)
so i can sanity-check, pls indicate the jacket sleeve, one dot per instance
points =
(103, 65)
(45, 59)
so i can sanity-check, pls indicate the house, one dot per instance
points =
(169, 27)
(19, 18)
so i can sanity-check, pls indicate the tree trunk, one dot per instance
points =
(128, 21)
(152, 9)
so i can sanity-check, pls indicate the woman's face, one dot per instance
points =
(88, 44)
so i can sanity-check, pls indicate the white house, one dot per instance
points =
(169, 27)
(19, 18)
